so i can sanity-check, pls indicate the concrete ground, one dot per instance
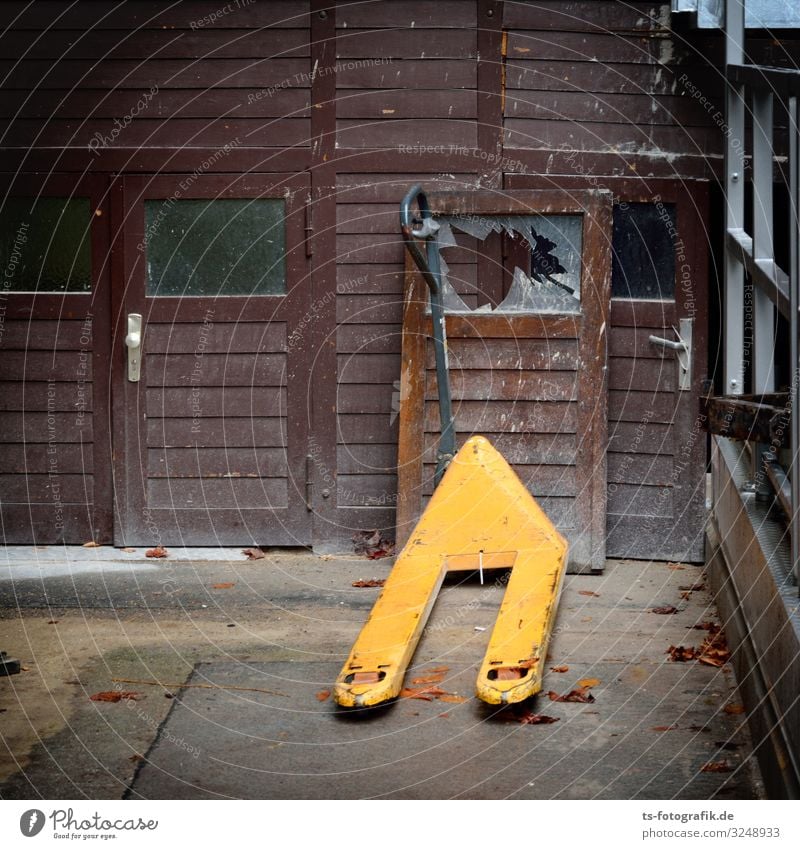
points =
(230, 661)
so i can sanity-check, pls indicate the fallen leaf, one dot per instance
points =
(675, 566)
(578, 695)
(734, 709)
(717, 766)
(588, 683)
(427, 694)
(158, 551)
(693, 588)
(254, 553)
(323, 695)
(686, 594)
(453, 698)
(372, 544)
(682, 654)
(444, 716)
(92, 544)
(24, 669)
(428, 679)
(589, 592)
(52, 621)
(664, 728)
(128, 550)
(225, 585)
(136, 758)
(563, 668)
(115, 696)
(434, 669)
(372, 582)
(665, 610)
(430, 692)
(525, 716)
(538, 719)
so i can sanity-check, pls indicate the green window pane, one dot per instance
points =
(45, 245)
(215, 247)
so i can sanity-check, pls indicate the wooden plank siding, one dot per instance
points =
(46, 430)
(363, 99)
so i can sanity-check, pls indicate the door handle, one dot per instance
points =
(684, 348)
(133, 341)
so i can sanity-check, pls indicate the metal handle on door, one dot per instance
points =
(684, 348)
(134, 343)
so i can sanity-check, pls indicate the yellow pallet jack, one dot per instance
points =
(480, 518)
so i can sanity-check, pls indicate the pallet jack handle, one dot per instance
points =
(424, 229)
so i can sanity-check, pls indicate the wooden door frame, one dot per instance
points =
(130, 193)
(95, 304)
(589, 326)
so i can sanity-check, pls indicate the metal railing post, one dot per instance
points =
(734, 207)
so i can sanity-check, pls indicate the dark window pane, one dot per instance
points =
(215, 247)
(45, 245)
(644, 242)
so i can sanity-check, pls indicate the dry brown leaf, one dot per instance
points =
(734, 709)
(115, 696)
(525, 716)
(675, 566)
(323, 695)
(427, 694)
(453, 698)
(428, 679)
(136, 758)
(588, 683)
(578, 695)
(92, 544)
(682, 654)
(664, 728)
(52, 621)
(664, 610)
(225, 585)
(254, 553)
(717, 766)
(434, 669)
(372, 582)
(158, 551)
(589, 592)
(563, 668)
(686, 594)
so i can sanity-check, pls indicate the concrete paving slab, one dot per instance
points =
(289, 745)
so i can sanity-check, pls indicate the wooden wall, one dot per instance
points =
(366, 98)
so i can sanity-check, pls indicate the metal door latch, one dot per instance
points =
(134, 343)
(684, 348)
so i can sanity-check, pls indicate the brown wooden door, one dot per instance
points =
(657, 447)
(211, 441)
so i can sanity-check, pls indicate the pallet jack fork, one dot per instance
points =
(480, 518)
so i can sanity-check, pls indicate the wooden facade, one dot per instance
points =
(336, 109)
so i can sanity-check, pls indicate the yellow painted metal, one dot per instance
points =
(480, 516)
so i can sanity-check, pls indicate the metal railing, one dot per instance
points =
(771, 94)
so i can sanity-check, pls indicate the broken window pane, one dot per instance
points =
(549, 283)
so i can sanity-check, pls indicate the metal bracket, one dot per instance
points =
(684, 348)
(133, 341)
